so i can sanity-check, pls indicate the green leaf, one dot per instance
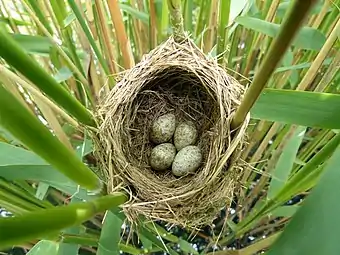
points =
(158, 230)
(299, 66)
(283, 7)
(134, 12)
(186, 247)
(34, 44)
(39, 139)
(44, 247)
(285, 211)
(298, 107)
(17, 22)
(63, 74)
(42, 190)
(285, 162)
(307, 38)
(69, 248)
(110, 234)
(30, 68)
(20, 164)
(16, 230)
(317, 218)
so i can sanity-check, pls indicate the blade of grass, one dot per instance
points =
(110, 234)
(298, 183)
(15, 56)
(40, 140)
(307, 38)
(87, 32)
(37, 9)
(222, 28)
(276, 51)
(317, 215)
(285, 163)
(303, 108)
(44, 247)
(16, 230)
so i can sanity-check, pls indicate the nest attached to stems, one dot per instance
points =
(177, 78)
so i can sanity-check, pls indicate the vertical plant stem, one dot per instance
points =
(222, 35)
(176, 19)
(153, 24)
(122, 37)
(106, 35)
(313, 70)
(275, 53)
(209, 38)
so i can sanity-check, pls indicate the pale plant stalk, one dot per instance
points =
(153, 23)
(13, 88)
(123, 40)
(329, 74)
(259, 39)
(317, 63)
(212, 27)
(321, 15)
(52, 120)
(37, 94)
(106, 36)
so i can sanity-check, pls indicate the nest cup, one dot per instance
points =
(177, 78)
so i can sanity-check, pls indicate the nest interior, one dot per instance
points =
(178, 78)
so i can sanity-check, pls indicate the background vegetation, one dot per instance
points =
(60, 57)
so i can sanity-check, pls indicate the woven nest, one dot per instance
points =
(173, 78)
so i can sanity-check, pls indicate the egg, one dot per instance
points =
(162, 156)
(185, 135)
(163, 128)
(187, 161)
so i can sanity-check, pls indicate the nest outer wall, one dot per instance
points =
(175, 77)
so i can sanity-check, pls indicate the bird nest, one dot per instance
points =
(177, 78)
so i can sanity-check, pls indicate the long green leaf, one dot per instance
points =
(19, 59)
(285, 162)
(135, 13)
(298, 107)
(27, 128)
(20, 164)
(316, 219)
(45, 247)
(88, 34)
(307, 38)
(110, 234)
(16, 230)
(34, 44)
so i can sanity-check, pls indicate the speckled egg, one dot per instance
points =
(163, 128)
(187, 161)
(162, 156)
(185, 135)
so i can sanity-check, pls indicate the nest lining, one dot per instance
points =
(173, 78)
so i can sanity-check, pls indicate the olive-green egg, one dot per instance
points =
(185, 135)
(163, 128)
(187, 161)
(162, 156)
